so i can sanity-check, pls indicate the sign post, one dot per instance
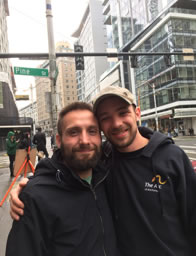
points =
(31, 71)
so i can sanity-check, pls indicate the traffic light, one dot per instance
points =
(79, 60)
(134, 62)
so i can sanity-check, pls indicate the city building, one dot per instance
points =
(165, 88)
(8, 110)
(7, 83)
(30, 111)
(91, 34)
(66, 87)
(66, 79)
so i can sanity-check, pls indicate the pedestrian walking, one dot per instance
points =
(25, 141)
(169, 132)
(11, 145)
(52, 140)
(40, 140)
(175, 132)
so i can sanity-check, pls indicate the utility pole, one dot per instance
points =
(155, 107)
(52, 67)
(32, 110)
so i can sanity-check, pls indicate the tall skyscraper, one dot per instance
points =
(157, 26)
(91, 34)
(65, 85)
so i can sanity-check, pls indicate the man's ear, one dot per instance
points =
(58, 140)
(138, 113)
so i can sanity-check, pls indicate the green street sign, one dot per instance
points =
(31, 71)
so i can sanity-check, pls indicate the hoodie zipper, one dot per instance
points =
(95, 196)
(101, 220)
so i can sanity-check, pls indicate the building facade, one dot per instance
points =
(66, 79)
(30, 111)
(8, 110)
(7, 84)
(91, 34)
(66, 87)
(165, 88)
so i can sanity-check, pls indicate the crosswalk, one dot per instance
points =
(190, 151)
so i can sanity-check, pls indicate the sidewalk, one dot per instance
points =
(4, 160)
(185, 137)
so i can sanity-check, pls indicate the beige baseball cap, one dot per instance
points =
(109, 91)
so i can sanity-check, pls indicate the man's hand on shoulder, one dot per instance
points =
(16, 205)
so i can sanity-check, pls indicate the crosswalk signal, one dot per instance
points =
(79, 60)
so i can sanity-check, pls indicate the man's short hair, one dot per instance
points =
(109, 91)
(39, 129)
(78, 105)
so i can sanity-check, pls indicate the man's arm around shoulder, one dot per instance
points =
(26, 235)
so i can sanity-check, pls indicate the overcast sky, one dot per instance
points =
(27, 30)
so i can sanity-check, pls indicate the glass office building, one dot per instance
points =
(149, 26)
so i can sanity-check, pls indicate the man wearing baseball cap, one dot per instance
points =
(152, 185)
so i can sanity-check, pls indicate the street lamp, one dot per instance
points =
(155, 107)
(52, 65)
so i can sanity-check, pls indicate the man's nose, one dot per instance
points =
(116, 122)
(84, 138)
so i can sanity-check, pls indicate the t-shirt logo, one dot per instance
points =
(158, 177)
(155, 185)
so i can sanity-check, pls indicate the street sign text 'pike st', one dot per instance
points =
(31, 71)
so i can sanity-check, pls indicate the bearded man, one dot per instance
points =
(66, 209)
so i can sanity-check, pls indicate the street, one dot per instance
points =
(187, 143)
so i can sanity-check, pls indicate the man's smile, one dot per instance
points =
(120, 134)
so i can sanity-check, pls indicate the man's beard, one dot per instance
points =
(123, 144)
(80, 165)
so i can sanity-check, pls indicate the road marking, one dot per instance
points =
(184, 146)
(190, 152)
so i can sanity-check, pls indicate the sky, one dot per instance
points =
(27, 32)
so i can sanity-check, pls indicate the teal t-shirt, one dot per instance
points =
(88, 179)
